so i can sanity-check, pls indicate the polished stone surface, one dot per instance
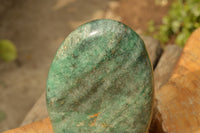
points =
(101, 81)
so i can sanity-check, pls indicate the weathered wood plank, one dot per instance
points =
(154, 49)
(166, 65)
(43, 126)
(39, 111)
(162, 73)
(179, 99)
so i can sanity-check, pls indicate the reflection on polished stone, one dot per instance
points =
(101, 81)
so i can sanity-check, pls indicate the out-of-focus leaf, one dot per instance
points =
(8, 50)
(176, 26)
(196, 25)
(195, 11)
(166, 20)
(182, 38)
(2, 115)
(151, 26)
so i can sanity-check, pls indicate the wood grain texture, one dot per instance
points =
(166, 65)
(162, 74)
(39, 111)
(179, 99)
(43, 126)
(154, 49)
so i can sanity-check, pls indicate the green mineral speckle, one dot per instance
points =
(101, 81)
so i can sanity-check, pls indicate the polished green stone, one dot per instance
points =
(101, 81)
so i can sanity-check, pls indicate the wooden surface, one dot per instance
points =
(39, 111)
(166, 65)
(162, 73)
(179, 99)
(43, 126)
(154, 49)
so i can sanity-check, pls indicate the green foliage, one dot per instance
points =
(182, 19)
(151, 26)
(2, 115)
(7, 50)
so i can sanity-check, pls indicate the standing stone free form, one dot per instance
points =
(101, 81)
